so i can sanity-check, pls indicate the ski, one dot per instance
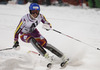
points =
(62, 64)
(49, 65)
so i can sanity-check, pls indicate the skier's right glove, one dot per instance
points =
(47, 27)
(16, 45)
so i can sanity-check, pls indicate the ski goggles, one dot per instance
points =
(34, 11)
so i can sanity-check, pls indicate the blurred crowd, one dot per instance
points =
(89, 3)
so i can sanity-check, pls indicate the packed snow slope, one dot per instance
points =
(82, 24)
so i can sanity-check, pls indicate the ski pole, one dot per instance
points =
(75, 39)
(33, 52)
(6, 49)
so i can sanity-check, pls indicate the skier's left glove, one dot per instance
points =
(16, 45)
(47, 27)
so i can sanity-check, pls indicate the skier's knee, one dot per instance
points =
(42, 42)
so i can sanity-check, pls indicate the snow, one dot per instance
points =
(82, 24)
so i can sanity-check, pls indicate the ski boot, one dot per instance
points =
(50, 59)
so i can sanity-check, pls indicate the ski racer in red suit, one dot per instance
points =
(29, 33)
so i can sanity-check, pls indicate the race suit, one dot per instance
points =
(27, 29)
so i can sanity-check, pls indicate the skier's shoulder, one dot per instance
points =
(42, 16)
(26, 16)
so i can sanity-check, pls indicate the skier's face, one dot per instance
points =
(34, 13)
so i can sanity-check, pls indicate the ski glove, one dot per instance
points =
(46, 26)
(16, 44)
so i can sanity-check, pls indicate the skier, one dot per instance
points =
(29, 33)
